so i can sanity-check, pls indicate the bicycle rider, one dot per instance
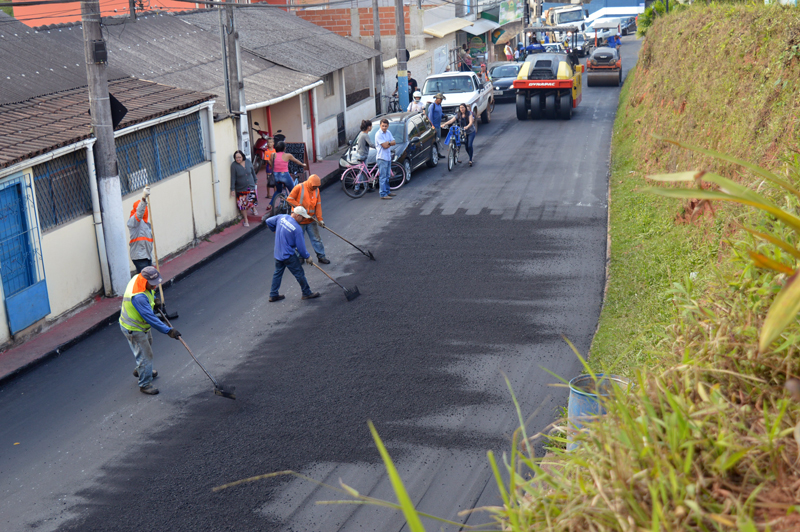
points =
(363, 144)
(280, 166)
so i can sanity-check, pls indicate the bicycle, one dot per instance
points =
(394, 104)
(357, 179)
(455, 138)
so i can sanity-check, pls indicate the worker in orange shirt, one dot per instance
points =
(307, 195)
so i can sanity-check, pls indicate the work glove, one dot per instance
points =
(146, 193)
(309, 260)
(158, 308)
(321, 223)
(173, 333)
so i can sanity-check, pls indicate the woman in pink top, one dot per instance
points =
(280, 165)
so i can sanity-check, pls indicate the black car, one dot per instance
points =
(503, 75)
(628, 26)
(415, 146)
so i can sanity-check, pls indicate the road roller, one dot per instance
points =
(604, 68)
(549, 84)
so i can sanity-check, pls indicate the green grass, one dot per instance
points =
(8, 10)
(649, 252)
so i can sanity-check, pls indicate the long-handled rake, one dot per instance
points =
(349, 294)
(219, 389)
(367, 253)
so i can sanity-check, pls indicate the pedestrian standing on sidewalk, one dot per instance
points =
(243, 185)
(384, 141)
(141, 235)
(280, 165)
(509, 52)
(136, 319)
(289, 242)
(307, 195)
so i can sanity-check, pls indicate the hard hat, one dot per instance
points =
(417, 94)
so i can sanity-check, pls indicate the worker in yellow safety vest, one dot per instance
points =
(136, 318)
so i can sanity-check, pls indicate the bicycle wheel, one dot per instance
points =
(451, 155)
(397, 176)
(281, 205)
(354, 182)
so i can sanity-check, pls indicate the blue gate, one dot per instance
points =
(21, 265)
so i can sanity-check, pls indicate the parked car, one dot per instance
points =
(458, 88)
(503, 75)
(584, 47)
(415, 143)
(554, 47)
(628, 26)
(602, 29)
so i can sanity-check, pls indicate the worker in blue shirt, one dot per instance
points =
(534, 47)
(288, 238)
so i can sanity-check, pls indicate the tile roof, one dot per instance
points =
(43, 123)
(164, 48)
(32, 64)
(287, 40)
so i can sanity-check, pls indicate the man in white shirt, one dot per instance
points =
(383, 143)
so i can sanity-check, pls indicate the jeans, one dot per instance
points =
(141, 264)
(312, 230)
(293, 263)
(384, 167)
(470, 139)
(141, 344)
(282, 179)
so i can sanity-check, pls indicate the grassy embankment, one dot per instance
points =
(706, 440)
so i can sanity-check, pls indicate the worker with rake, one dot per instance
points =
(307, 195)
(288, 239)
(136, 319)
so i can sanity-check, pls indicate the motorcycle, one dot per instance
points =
(259, 148)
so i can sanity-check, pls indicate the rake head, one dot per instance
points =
(351, 293)
(225, 391)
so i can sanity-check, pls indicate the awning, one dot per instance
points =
(481, 26)
(391, 63)
(446, 27)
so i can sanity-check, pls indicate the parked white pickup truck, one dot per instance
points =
(458, 88)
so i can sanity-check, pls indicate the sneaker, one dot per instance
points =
(322, 260)
(136, 373)
(276, 298)
(386, 197)
(311, 296)
(149, 390)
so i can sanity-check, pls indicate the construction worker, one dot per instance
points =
(136, 318)
(141, 242)
(307, 195)
(289, 242)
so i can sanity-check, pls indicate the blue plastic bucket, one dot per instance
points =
(583, 404)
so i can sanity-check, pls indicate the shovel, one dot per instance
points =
(219, 389)
(349, 294)
(367, 253)
(174, 315)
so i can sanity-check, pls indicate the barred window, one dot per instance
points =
(152, 154)
(62, 189)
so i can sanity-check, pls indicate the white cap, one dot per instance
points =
(301, 211)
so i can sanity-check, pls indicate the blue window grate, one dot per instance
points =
(153, 154)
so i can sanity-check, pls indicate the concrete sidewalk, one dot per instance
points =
(67, 332)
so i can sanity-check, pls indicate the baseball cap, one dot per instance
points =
(151, 274)
(301, 211)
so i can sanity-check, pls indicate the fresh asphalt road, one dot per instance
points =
(479, 273)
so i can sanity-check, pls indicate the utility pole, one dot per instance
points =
(132, 10)
(233, 70)
(116, 241)
(402, 55)
(376, 35)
